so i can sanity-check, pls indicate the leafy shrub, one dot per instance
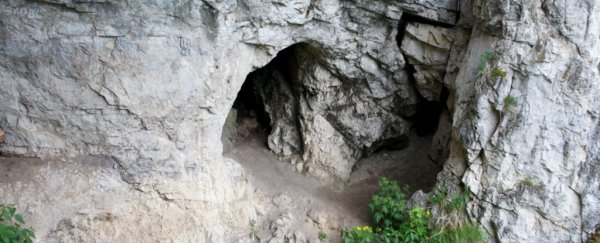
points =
(482, 62)
(388, 204)
(498, 73)
(359, 235)
(388, 208)
(415, 230)
(10, 226)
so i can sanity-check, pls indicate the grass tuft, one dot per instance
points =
(483, 59)
(509, 102)
(498, 73)
(529, 182)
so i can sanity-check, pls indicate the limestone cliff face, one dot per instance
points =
(150, 83)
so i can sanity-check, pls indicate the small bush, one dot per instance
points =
(415, 230)
(359, 235)
(498, 73)
(10, 226)
(388, 205)
(388, 208)
(482, 62)
(322, 236)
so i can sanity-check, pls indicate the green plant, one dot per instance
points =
(466, 233)
(438, 197)
(459, 201)
(322, 236)
(415, 229)
(253, 229)
(509, 102)
(529, 182)
(388, 204)
(10, 226)
(359, 235)
(498, 73)
(598, 67)
(388, 208)
(451, 223)
(481, 63)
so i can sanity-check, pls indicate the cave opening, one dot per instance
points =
(249, 117)
(273, 110)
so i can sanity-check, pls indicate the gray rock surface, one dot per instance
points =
(528, 159)
(150, 84)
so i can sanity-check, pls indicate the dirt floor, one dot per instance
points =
(294, 206)
(315, 206)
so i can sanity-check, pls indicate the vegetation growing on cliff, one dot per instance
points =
(395, 223)
(482, 62)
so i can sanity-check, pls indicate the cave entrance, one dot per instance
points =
(269, 92)
(270, 111)
(247, 116)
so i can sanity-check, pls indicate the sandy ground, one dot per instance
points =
(315, 206)
(294, 206)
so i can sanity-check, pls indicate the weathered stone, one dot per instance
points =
(150, 84)
(428, 48)
(526, 165)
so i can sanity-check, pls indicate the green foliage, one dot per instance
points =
(359, 235)
(481, 63)
(322, 236)
(459, 202)
(388, 204)
(599, 67)
(529, 182)
(498, 73)
(509, 102)
(451, 224)
(388, 208)
(10, 226)
(415, 230)
(466, 233)
(438, 197)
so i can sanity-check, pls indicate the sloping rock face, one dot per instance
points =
(150, 83)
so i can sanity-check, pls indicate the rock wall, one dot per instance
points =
(524, 141)
(150, 83)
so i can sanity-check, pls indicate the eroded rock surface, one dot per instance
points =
(524, 141)
(150, 83)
